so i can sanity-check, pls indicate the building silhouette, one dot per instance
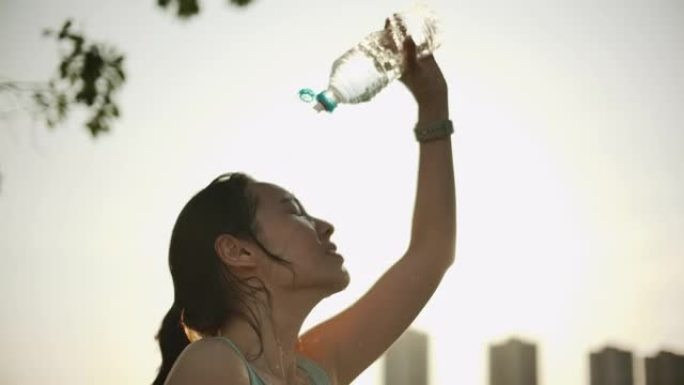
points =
(513, 362)
(611, 366)
(666, 368)
(406, 361)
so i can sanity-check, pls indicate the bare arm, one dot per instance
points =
(434, 214)
(350, 342)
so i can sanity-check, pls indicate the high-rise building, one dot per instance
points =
(611, 366)
(666, 368)
(513, 362)
(406, 361)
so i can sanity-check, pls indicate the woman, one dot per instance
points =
(249, 264)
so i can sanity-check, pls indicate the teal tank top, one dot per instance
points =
(316, 374)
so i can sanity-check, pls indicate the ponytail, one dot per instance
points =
(172, 340)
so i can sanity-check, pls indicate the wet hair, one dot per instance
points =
(206, 293)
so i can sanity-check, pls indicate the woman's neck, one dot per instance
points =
(280, 327)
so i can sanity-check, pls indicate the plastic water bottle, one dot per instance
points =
(364, 70)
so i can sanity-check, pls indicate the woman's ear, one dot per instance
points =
(233, 251)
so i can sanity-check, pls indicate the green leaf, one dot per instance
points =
(88, 75)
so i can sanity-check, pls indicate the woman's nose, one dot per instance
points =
(326, 228)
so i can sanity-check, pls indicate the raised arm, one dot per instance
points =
(351, 341)
(433, 228)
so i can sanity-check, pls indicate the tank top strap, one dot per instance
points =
(317, 375)
(254, 378)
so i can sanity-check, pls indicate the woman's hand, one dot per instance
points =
(426, 83)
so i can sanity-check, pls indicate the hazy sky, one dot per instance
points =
(570, 175)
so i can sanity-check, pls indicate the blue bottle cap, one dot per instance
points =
(328, 102)
(307, 95)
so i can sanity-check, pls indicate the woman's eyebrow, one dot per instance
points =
(293, 199)
(288, 199)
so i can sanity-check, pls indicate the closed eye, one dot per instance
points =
(299, 211)
(305, 216)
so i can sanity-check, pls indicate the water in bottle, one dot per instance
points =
(364, 70)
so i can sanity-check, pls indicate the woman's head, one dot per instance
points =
(234, 243)
(290, 251)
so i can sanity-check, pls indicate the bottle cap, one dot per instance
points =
(307, 95)
(327, 100)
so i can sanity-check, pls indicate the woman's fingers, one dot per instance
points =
(410, 54)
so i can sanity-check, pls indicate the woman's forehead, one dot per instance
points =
(269, 192)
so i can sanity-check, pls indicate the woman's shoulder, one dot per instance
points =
(318, 362)
(317, 372)
(208, 361)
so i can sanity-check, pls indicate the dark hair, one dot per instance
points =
(206, 294)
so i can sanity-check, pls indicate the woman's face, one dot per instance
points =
(286, 230)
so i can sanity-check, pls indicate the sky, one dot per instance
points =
(567, 153)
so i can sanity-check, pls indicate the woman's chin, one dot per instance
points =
(343, 282)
